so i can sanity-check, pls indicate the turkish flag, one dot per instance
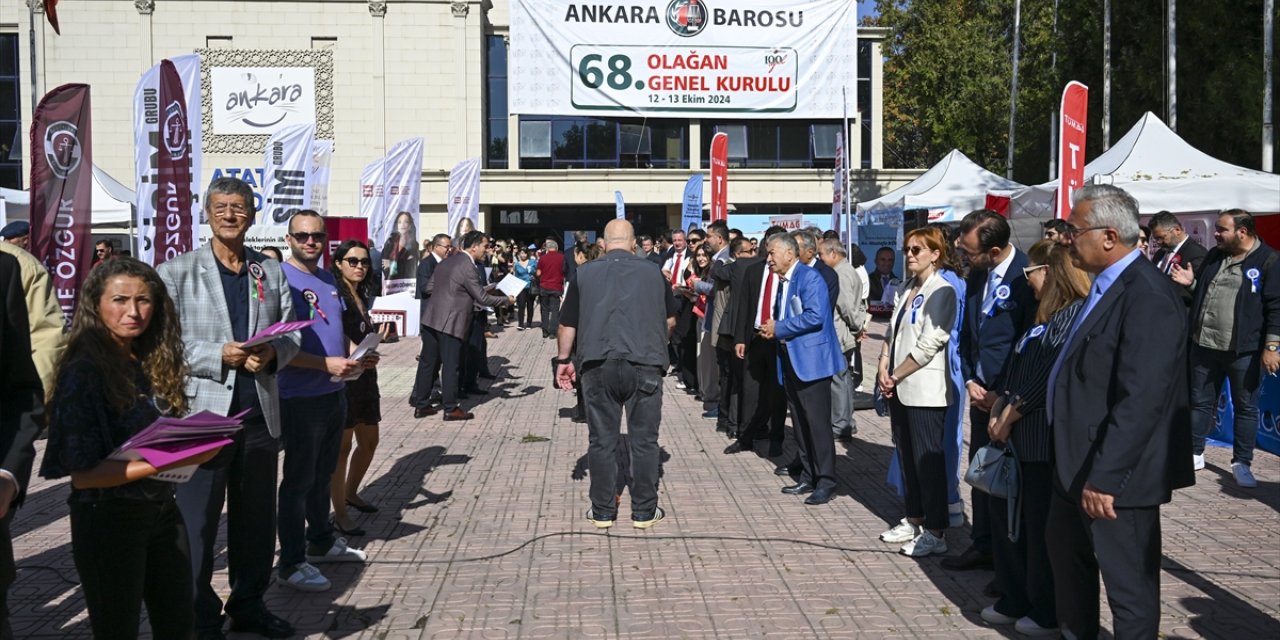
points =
(1074, 116)
(51, 11)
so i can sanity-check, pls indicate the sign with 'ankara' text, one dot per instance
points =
(261, 100)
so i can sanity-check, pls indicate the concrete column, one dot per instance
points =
(513, 119)
(854, 136)
(695, 145)
(877, 106)
(462, 72)
(146, 40)
(378, 10)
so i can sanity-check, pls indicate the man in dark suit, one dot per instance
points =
(454, 291)
(762, 407)
(1122, 438)
(999, 307)
(1176, 248)
(808, 355)
(420, 397)
(882, 276)
(21, 416)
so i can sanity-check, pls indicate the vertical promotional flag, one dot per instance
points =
(619, 209)
(150, 112)
(720, 177)
(286, 174)
(372, 200)
(402, 189)
(1075, 117)
(692, 213)
(172, 164)
(321, 160)
(62, 191)
(464, 195)
(837, 186)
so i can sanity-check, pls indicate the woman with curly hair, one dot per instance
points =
(123, 368)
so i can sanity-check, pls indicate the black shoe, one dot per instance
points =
(579, 418)
(845, 436)
(820, 496)
(363, 508)
(970, 559)
(267, 625)
(798, 489)
(458, 414)
(737, 447)
(422, 412)
(782, 470)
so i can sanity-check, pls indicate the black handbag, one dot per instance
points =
(995, 470)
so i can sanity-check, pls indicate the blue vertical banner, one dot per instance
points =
(692, 203)
(1268, 412)
(620, 210)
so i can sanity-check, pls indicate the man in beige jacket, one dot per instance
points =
(43, 314)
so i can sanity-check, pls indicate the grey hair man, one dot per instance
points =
(850, 313)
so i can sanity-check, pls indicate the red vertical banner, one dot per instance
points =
(61, 190)
(173, 170)
(1075, 118)
(720, 177)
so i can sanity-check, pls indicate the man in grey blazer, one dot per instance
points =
(850, 319)
(225, 293)
(454, 290)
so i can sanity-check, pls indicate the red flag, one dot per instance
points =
(720, 177)
(62, 189)
(51, 12)
(172, 161)
(1075, 117)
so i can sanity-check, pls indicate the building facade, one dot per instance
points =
(386, 70)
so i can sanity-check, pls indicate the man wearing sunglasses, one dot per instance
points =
(225, 292)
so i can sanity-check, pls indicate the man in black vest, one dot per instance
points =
(621, 313)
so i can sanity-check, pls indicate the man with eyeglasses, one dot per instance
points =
(225, 292)
(1176, 247)
(998, 309)
(420, 397)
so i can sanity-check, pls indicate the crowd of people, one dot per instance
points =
(1047, 348)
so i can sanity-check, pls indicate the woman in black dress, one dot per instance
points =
(123, 368)
(351, 268)
(400, 253)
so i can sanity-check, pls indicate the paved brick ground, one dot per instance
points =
(481, 534)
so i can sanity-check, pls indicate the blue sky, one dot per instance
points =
(866, 8)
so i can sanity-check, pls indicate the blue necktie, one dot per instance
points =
(777, 300)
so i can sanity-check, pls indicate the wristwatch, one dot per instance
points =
(1273, 347)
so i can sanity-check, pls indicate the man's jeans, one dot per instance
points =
(1209, 367)
(311, 429)
(550, 313)
(608, 387)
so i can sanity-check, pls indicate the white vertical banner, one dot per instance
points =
(400, 178)
(373, 202)
(619, 207)
(321, 160)
(837, 186)
(286, 173)
(464, 194)
(147, 142)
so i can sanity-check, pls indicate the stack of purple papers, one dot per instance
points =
(171, 440)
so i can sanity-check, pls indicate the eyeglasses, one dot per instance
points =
(1073, 232)
(914, 250)
(1027, 271)
(302, 237)
(357, 262)
(231, 210)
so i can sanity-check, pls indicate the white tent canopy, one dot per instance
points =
(1164, 173)
(949, 190)
(112, 204)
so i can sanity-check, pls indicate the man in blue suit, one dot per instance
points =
(808, 355)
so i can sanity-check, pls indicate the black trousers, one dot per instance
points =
(128, 552)
(476, 354)
(442, 352)
(609, 387)
(8, 572)
(762, 407)
(978, 438)
(687, 355)
(1127, 553)
(917, 433)
(550, 301)
(1023, 573)
(810, 404)
(730, 388)
(524, 308)
(427, 375)
(243, 475)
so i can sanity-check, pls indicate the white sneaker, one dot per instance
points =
(1028, 627)
(903, 532)
(955, 514)
(1244, 475)
(1197, 462)
(680, 385)
(991, 616)
(925, 544)
(339, 552)
(306, 577)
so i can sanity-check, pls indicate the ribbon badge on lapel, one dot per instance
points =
(258, 275)
(916, 303)
(1034, 333)
(1002, 298)
(313, 301)
(1253, 275)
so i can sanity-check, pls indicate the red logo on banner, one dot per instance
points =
(720, 177)
(61, 191)
(1075, 118)
(173, 170)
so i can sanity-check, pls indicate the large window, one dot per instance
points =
(10, 124)
(602, 143)
(776, 144)
(496, 103)
(864, 99)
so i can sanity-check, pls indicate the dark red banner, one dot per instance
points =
(720, 177)
(1075, 118)
(62, 191)
(173, 170)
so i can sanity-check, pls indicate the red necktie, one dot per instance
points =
(768, 299)
(675, 270)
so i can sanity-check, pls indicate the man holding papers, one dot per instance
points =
(225, 293)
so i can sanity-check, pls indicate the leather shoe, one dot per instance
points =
(970, 559)
(782, 470)
(797, 489)
(458, 414)
(736, 447)
(820, 496)
(422, 412)
(267, 625)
